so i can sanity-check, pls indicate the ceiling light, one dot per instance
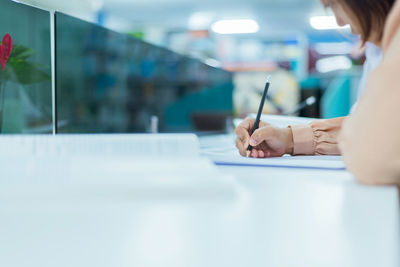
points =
(96, 5)
(235, 26)
(200, 21)
(213, 63)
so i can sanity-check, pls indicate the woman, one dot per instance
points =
(366, 18)
(370, 140)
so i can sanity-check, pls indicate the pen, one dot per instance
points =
(260, 109)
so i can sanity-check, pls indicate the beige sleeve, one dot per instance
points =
(370, 140)
(320, 137)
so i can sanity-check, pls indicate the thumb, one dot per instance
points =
(260, 135)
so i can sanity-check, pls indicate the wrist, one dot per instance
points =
(289, 141)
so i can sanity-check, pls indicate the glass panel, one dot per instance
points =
(109, 82)
(25, 72)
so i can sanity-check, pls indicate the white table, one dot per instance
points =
(314, 217)
(277, 217)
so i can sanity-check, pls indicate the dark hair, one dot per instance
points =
(370, 14)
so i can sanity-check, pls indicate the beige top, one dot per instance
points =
(370, 139)
(317, 138)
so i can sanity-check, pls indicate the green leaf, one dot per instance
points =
(27, 73)
(19, 70)
(20, 52)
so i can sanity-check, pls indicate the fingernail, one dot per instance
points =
(253, 142)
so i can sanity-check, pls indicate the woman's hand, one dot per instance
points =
(267, 140)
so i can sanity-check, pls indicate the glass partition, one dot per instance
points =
(108, 82)
(25, 69)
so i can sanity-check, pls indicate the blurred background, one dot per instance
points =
(229, 47)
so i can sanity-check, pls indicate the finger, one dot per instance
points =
(263, 124)
(247, 124)
(242, 134)
(243, 130)
(263, 146)
(265, 149)
(268, 152)
(261, 135)
(254, 153)
(246, 143)
(240, 147)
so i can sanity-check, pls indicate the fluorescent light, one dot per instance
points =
(97, 4)
(311, 100)
(235, 26)
(213, 63)
(335, 48)
(333, 63)
(325, 23)
(200, 21)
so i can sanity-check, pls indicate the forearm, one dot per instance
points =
(370, 139)
(317, 138)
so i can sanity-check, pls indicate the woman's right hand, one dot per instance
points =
(267, 140)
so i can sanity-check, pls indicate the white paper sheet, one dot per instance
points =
(303, 162)
(224, 152)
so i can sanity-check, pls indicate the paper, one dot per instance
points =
(302, 162)
(100, 144)
(229, 156)
(223, 152)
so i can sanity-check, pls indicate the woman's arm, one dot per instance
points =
(320, 137)
(317, 138)
(370, 140)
